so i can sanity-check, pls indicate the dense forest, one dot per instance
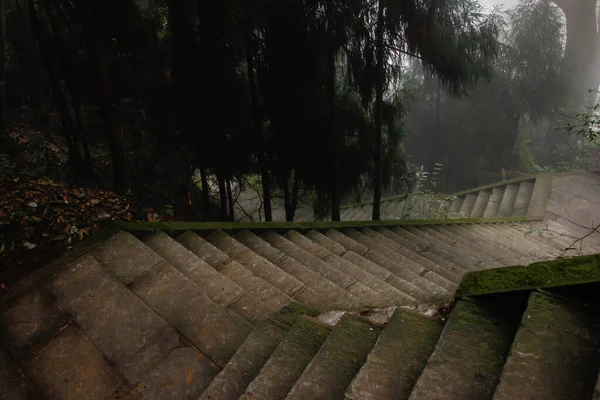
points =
(183, 105)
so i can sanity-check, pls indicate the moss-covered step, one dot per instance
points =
(399, 356)
(548, 274)
(254, 352)
(288, 361)
(554, 354)
(469, 356)
(337, 362)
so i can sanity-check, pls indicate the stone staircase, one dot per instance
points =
(522, 196)
(217, 314)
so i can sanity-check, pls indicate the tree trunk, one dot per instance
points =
(100, 73)
(290, 200)
(2, 69)
(264, 170)
(68, 74)
(582, 46)
(59, 96)
(335, 139)
(222, 194)
(378, 115)
(230, 200)
(205, 190)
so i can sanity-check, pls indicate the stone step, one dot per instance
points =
(323, 295)
(365, 214)
(203, 249)
(404, 267)
(433, 257)
(464, 260)
(554, 354)
(261, 290)
(375, 264)
(408, 281)
(258, 265)
(529, 239)
(479, 244)
(443, 209)
(523, 199)
(218, 287)
(518, 242)
(487, 262)
(491, 233)
(478, 332)
(345, 212)
(490, 240)
(339, 359)
(304, 214)
(508, 200)
(415, 257)
(126, 256)
(539, 197)
(560, 229)
(247, 362)
(389, 295)
(481, 204)
(12, 381)
(355, 210)
(362, 292)
(493, 205)
(326, 242)
(467, 206)
(399, 356)
(455, 206)
(361, 262)
(289, 360)
(187, 308)
(543, 231)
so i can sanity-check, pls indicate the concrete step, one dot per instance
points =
(493, 205)
(126, 256)
(289, 360)
(388, 295)
(203, 249)
(508, 200)
(478, 332)
(411, 255)
(442, 210)
(345, 212)
(405, 267)
(554, 354)
(365, 214)
(258, 265)
(539, 197)
(523, 199)
(378, 260)
(433, 257)
(464, 260)
(339, 359)
(550, 251)
(188, 308)
(481, 203)
(560, 241)
(567, 234)
(324, 295)
(272, 297)
(326, 242)
(490, 239)
(487, 262)
(364, 294)
(455, 206)
(247, 362)
(520, 243)
(467, 206)
(399, 356)
(408, 281)
(218, 287)
(459, 232)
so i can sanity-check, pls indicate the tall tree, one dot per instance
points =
(101, 80)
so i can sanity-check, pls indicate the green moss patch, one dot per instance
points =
(548, 274)
(175, 227)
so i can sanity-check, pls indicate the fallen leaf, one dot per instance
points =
(29, 246)
(32, 204)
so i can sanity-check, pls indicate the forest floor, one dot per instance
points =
(44, 210)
